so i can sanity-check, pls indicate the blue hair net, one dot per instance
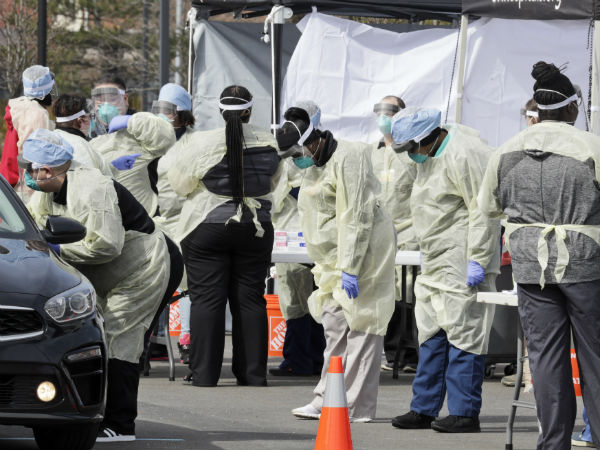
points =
(47, 148)
(38, 81)
(173, 93)
(415, 125)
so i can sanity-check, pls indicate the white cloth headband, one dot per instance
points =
(241, 107)
(77, 115)
(572, 98)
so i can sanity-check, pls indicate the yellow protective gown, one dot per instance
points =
(146, 134)
(396, 173)
(128, 269)
(195, 154)
(294, 281)
(451, 230)
(169, 203)
(346, 230)
(27, 116)
(84, 154)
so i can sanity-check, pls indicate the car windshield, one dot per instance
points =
(13, 222)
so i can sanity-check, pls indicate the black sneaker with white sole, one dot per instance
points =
(106, 434)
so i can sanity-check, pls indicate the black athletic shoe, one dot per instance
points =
(412, 421)
(106, 434)
(456, 424)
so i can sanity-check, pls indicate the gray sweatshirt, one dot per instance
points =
(547, 175)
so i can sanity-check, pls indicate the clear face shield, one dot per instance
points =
(165, 110)
(108, 102)
(384, 113)
(528, 118)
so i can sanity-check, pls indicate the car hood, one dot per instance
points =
(28, 267)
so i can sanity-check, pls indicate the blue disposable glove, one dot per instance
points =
(475, 273)
(118, 123)
(55, 248)
(350, 284)
(125, 162)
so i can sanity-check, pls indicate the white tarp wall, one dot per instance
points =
(346, 67)
(500, 57)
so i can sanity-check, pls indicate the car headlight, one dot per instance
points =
(73, 304)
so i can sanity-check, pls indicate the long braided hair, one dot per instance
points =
(234, 137)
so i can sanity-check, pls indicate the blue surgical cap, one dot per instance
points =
(415, 125)
(313, 110)
(38, 81)
(47, 148)
(173, 93)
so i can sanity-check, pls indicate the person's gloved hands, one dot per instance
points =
(475, 273)
(350, 284)
(125, 162)
(55, 248)
(118, 123)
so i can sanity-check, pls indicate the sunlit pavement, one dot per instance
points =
(173, 415)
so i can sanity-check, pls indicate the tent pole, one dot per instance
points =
(277, 21)
(191, 22)
(462, 62)
(595, 108)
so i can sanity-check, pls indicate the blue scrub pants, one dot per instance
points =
(586, 434)
(444, 367)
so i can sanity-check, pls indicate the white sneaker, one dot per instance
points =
(307, 412)
(106, 434)
(360, 419)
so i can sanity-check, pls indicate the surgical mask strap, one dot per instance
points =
(433, 146)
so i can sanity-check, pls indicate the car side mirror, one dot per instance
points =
(62, 230)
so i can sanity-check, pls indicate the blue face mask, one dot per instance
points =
(384, 123)
(418, 157)
(107, 112)
(304, 162)
(31, 183)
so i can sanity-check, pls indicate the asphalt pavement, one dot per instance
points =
(173, 415)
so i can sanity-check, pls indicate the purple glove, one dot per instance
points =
(118, 123)
(350, 284)
(55, 248)
(125, 162)
(475, 273)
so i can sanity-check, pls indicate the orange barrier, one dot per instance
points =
(277, 325)
(575, 368)
(334, 424)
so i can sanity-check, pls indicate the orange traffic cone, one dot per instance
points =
(334, 425)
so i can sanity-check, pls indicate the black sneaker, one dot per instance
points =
(106, 434)
(412, 421)
(456, 424)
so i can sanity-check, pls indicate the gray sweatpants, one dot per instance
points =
(361, 356)
(548, 316)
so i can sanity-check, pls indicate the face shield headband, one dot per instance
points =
(77, 115)
(303, 136)
(385, 108)
(241, 107)
(572, 98)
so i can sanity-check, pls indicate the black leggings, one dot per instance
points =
(228, 262)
